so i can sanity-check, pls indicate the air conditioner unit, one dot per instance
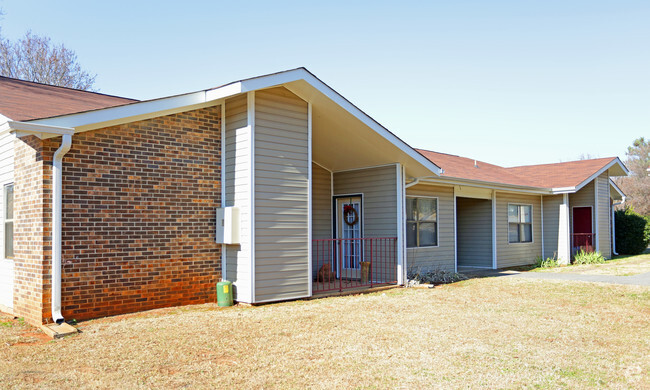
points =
(227, 225)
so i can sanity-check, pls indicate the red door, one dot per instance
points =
(582, 233)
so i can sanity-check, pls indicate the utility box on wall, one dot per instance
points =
(227, 225)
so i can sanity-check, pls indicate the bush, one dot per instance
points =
(632, 232)
(584, 257)
(436, 276)
(549, 262)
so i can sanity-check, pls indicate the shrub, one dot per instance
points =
(584, 257)
(436, 276)
(632, 232)
(549, 262)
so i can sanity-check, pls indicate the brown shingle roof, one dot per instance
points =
(24, 100)
(566, 174)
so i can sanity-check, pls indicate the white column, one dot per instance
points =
(564, 236)
(401, 229)
(494, 229)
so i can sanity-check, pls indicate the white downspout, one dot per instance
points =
(614, 226)
(57, 217)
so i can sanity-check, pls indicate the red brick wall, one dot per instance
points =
(32, 194)
(139, 215)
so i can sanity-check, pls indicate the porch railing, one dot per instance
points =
(347, 263)
(583, 241)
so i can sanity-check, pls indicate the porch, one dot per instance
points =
(353, 263)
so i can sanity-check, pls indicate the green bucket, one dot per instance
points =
(224, 293)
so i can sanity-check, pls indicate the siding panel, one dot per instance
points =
(6, 177)
(442, 256)
(474, 218)
(551, 224)
(379, 189)
(281, 195)
(321, 203)
(237, 170)
(510, 255)
(604, 216)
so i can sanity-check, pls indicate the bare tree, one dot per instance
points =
(637, 185)
(36, 58)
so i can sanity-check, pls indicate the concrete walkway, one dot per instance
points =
(636, 280)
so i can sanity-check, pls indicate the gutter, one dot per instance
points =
(57, 218)
(614, 226)
(21, 129)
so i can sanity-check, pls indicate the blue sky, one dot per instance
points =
(508, 82)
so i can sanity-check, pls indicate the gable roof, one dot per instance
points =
(564, 174)
(26, 100)
(570, 175)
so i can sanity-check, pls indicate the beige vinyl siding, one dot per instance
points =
(379, 189)
(474, 232)
(551, 224)
(510, 255)
(281, 196)
(321, 194)
(604, 216)
(238, 172)
(441, 256)
(6, 265)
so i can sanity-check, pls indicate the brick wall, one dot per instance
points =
(138, 217)
(32, 250)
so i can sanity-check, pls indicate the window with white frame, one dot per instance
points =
(9, 220)
(520, 223)
(421, 222)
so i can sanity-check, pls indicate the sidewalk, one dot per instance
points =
(636, 280)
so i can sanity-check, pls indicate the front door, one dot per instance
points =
(349, 227)
(582, 229)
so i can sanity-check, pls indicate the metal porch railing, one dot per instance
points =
(582, 241)
(348, 263)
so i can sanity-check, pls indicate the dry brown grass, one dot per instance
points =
(625, 266)
(482, 333)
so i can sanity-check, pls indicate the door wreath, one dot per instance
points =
(349, 210)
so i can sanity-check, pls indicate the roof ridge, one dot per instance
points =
(62, 87)
(561, 162)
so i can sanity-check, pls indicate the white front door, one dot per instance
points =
(349, 226)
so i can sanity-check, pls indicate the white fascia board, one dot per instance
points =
(95, 119)
(302, 74)
(563, 190)
(487, 184)
(41, 131)
(620, 192)
(223, 92)
(601, 171)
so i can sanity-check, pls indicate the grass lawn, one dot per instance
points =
(619, 266)
(481, 333)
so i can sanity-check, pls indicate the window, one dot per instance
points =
(9, 220)
(520, 223)
(421, 222)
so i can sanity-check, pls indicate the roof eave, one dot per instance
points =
(489, 184)
(100, 118)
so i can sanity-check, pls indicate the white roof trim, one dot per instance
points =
(108, 116)
(611, 183)
(94, 119)
(41, 131)
(486, 184)
(601, 171)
